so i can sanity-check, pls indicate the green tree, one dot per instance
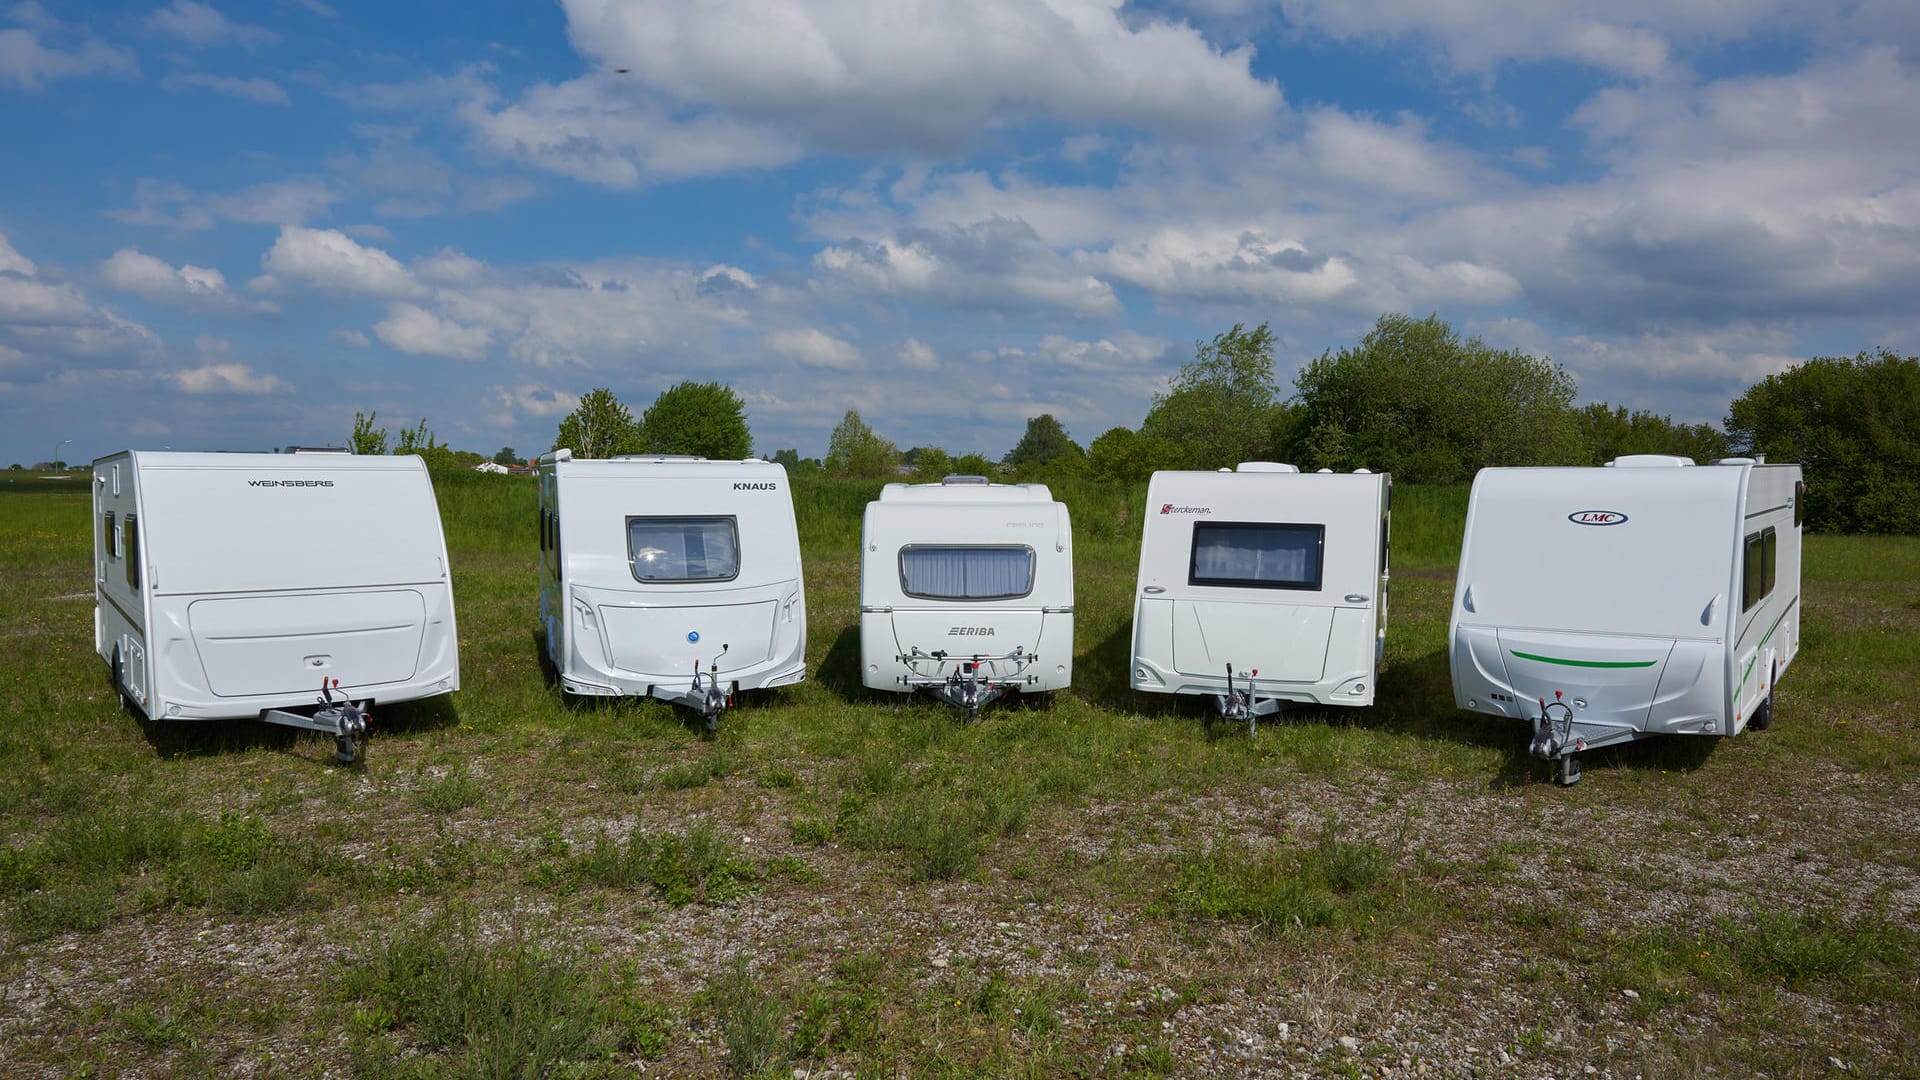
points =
(930, 464)
(601, 427)
(506, 456)
(419, 440)
(707, 419)
(1610, 431)
(1129, 456)
(855, 450)
(974, 464)
(1045, 441)
(1220, 408)
(1854, 424)
(1415, 399)
(366, 438)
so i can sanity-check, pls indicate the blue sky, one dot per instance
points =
(232, 225)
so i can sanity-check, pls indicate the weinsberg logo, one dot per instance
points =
(289, 483)
(1169, 508)
(1597, 517)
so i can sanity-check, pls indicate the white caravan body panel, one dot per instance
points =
(1650, 597)
(228, 585)
(966, 570)
(649, 565)
(1281, 574)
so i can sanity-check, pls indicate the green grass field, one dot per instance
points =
(1097, 885)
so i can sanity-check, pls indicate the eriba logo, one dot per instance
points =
(290, 483)
(1597, 517)
(971, 631)
(744, 486)
(1169, 508)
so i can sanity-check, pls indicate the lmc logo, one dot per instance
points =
(1597, 517)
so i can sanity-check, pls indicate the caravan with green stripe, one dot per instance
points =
(1676, 618)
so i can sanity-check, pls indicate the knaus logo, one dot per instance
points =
(747, 486)
(289, 483)
(1169, 508)
(970, 631)
(1597, 517)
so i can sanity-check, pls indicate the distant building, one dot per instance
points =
(492, 467)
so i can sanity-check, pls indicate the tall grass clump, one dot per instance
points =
(695, 867)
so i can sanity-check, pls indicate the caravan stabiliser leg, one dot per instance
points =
(713, 699)
(343, 719)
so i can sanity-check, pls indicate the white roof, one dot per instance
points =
(948, 493)
(182, 459)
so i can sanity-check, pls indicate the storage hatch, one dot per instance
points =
(287, 644)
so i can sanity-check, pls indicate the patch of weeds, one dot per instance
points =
(645, 1026)
(77, 906)
(687, 774)
(1230, 880)
(1345, 865)
(235, 864)
(627, 777)
(750, 1020)
(503, 1007)
(455, 791)
(156, 1028)
(1783, 946)
(234, 842)
(815, 831)
(694, 867)
(117, 839)
(940, 833)
(22, 869)
(780, 778)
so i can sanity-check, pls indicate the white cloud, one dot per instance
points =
(161, 204)
(257, 90)
(227, 378)
(409, 328)
(1125, 351)
(998, 264)
(42, 303)
(328, 260)
(282, 202)
(450, 267)
(868, 74)
(1248, 263)
(43, 49)
(512, 403)
(137, 272)
(355, 338)
(12, 262)
(917, 355)
(202, 25)
(814, 348)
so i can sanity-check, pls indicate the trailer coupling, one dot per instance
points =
(973, 681)
(342, 719)
(712, 697)
(1553, 738)
(1241, 704)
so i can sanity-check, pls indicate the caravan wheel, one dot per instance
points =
(1762, 717)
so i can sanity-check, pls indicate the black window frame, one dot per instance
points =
(733, 524)
(1033, 571)
(1760, 553)
(1799, 502)
(112, 537)
(1319, 557)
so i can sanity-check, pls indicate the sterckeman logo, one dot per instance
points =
(289, 483)
(745, 486)
(1169, 508)
(1597, 517)
(971, 631)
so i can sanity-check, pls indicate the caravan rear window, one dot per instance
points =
(1757, 568)
(1257, 554)
(978, 572)
(683, 548)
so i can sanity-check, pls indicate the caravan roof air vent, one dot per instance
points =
(316, 450)
(1650, 461)
(959, 480)
(1735, 461)
(1267, 466)
(656, 457)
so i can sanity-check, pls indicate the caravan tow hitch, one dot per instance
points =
(342, 719)
(1553, 738)
(714, 698)
(1238, 704)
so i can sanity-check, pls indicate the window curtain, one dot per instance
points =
(966, 573)
(1282, 554)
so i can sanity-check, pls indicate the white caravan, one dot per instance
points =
(1263, 585)
(1648, 597)
(966, 591)
(670, 577)
(249, 585)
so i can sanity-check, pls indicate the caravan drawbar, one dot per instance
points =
(1647, 597)
(233, 586)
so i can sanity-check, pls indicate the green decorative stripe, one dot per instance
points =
(1585, 663)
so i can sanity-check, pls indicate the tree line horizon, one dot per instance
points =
(1412, 398)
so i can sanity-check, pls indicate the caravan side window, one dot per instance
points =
(1757, 568)
(112, 538)
(972, 572)
(130, 547)
(683, 548)
(1257, 555)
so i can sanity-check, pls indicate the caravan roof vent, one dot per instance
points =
(1322, 471)
(1267, 466)
(1735, 461)
(656, 457)
(316, 450)
(1363, 472)
(963, 480)
(1650, 461)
